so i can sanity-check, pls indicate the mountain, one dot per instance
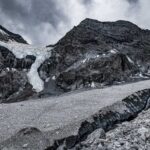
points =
(19, 63)
(95, 54)
(92, 55)
(6, 36)
(96, 63)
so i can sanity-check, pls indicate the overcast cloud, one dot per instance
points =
(46, 21)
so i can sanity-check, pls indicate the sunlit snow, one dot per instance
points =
(130, 60)
(113, 51)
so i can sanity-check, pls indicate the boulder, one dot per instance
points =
(28, 138)
(14, 86)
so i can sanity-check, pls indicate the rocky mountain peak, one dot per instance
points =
(6, 36)
(90, 30)
(89, 21)
(81, 57)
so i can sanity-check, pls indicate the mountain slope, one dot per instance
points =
(96, 53)
(92, 55)
(7, 36)
(19, 63)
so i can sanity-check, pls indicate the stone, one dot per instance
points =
(27, 138)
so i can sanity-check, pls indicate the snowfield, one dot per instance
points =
(41, 54)
(56, 112)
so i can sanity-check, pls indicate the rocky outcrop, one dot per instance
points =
(9, 60)
(81, 134)
(131, 135)
(107, 70)
(14, 86)
(98, 53)
(29, 138)
(7, 36)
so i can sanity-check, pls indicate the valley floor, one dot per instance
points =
(56, 112)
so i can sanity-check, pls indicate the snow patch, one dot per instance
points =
(53, 77)
(113, 51)
(83, 61)
(41, 54)
(130, 60)
(92, 85)
(3, 32)
(47, 79)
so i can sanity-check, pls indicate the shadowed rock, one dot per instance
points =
(6, 36)
(98, 53)
(14, 86)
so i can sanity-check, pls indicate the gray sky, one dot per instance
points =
(46, 21)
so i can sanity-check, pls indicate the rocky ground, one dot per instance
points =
(24, 124)
(129, 135)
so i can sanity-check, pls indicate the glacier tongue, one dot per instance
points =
(41, 54)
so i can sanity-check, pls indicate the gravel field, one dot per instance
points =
(55, 112)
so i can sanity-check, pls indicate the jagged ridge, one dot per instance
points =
(6, 35)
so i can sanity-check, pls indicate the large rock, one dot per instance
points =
(106, 70)
(133, 135)
(98, 53)
(14, 86)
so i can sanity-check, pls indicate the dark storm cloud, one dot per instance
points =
(45, 21)
(34, 12)
(133, 1)
(31, 17)
(87, 2)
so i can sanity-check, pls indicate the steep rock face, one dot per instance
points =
(8, 59)
(14, 86)
(98, 53)
(106, 70)
(7, 36)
